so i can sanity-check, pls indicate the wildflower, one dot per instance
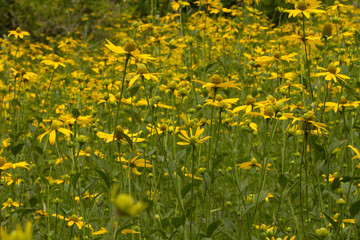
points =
(307, 122)
(327, 30)
(162, 129)
(134, 163)
(56, 61)
(18, 233)
(55, 127)
(248, 165)
(193, 139)
(187, 174)
(68, 45)
(285, 238)
(4, 165)
(249, 105)
(100, 232)
(141, 72)
(18, 33)
(356, 152)
(331, 177)
(252, 164)
(176, 5)
(10, 203)
(73, 219)
(332, 72)
(126, 206)
(110, 137)
(130, 49)
(305, 7)
(156, 103)
(340, 105)
(216, 82)
(322, 232)
(127, 231)
(87, 195)
(221, 102)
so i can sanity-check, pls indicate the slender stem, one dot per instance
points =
(308, 83)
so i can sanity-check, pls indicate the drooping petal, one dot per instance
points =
(52, 137)
(40, 137)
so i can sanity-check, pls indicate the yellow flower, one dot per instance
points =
(126, 205)
(73, 219)
(305, 7)
(193, 139)
(216, 82)
(55, 62)
(332, 72)
(248, 165)
(10, 203)
(87, 195)
(252, 164)
(18, 233)
(110, 137)
(356, 152)
(126, 231)
(55, 127)
(176, 5)
(141, 72)
(100, 232)
(4, 165)
(18, 33)
(130, 48)
(136, 163)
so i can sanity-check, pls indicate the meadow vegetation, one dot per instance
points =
(180, 120)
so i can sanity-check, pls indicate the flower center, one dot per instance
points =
(73, 218)
(269, 111)
(55, 125)
(302, 6)
(142, 69)
(216, 79)
(130, 46)
(331, 68)
(163, 127)
(343, 100)
(193, 140)
(250, 100)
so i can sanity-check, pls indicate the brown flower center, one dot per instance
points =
(302, 6)
(331, 68)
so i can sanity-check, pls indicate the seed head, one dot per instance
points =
(130, 46)
(302, 6)
(216, 79)
(142, 69)
(327, 29)
(332, 68)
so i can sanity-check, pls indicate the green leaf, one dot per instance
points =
(126, 138)
(24, 211)
(104, 176)
(282, 180)
(134, 90)
(354, 209)
(17, 148)
(212, 228)
(75, 112)
(74, 179)
(187, 188)
(177, 221)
